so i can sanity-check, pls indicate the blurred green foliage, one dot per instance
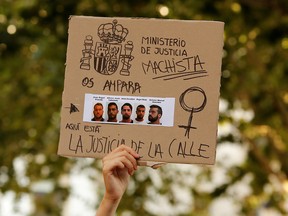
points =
(33, 38)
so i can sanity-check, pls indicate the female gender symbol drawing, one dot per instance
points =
(191, 109)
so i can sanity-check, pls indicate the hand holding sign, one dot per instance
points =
(118, 165)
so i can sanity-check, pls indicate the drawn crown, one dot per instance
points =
(112, 32)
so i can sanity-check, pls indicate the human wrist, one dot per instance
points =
(108, 206)
(114, 200)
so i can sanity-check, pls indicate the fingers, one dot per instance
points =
(119, 161)
(128, 149)
(121, 157)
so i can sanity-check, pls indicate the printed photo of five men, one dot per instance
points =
(129, 114)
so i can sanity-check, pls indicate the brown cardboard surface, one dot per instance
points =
(170, 63)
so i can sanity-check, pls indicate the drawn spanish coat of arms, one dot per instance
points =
(110, 53)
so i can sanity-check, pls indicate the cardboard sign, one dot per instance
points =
(150, 84)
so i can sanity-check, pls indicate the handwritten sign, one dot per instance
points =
(149, 84)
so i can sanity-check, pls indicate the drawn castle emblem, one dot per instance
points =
(110, 52)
